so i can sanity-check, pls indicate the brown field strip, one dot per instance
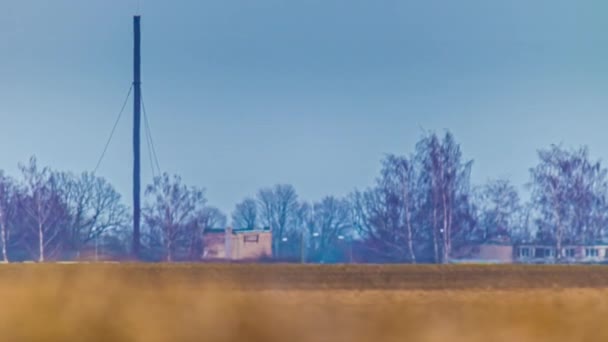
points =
(162, 303)
(355, 277)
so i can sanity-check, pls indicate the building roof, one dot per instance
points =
(237, 230)
(565, 245)
(499, 240)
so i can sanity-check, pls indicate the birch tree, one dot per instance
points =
(41, 202)
(445, 180)
(399, 176)
(173, 210)
(8, 208)
(569, 194)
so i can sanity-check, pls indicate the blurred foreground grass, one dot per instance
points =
(129, 302)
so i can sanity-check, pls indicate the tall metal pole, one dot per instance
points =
(136, 136)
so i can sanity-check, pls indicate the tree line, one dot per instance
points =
(421, 208)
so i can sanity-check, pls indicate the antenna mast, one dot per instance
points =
(136, 136)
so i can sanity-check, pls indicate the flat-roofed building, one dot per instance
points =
(531, 253)
(571, 253)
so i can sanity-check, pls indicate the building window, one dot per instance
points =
(523, 252)
(570, 252)
(591, 252)
(548, 252)
(251, 238)
(539, 253)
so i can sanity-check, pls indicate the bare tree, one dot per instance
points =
(569, 192)
(419, 204)
(523, 231)
(385, 214)
(331, 218)
(94, 206)
(41, 201)
(212, 217)
(208, 217)
(279, 210)
(172, 210)
(8, 209)
(499, 208)
(377, 217)
(245, 214)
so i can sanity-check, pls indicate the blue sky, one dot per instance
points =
(245, 94)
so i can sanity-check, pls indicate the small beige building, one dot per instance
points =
(237, 244)
(496, 253)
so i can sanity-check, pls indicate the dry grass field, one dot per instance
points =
(130, 302)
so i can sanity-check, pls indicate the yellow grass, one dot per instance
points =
(261, 303)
